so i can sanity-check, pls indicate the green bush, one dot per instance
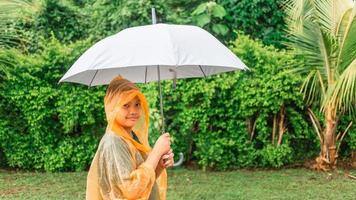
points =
(275, 156)
(261, 19)
(62, 19)
(348, 144)
(45, 125)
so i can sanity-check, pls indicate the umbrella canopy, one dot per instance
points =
(177, 51)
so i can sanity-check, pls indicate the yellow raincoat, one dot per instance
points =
(118, 170)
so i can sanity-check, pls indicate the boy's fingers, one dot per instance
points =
(168, 154)
(167, 163)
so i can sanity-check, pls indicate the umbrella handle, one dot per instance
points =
(180, 161)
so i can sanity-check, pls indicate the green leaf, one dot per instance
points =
(200, 9)
(220, 29)
(218, 11)
(202, 20)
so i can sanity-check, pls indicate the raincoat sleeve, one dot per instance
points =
(118, 175)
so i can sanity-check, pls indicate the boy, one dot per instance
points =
(124, 166)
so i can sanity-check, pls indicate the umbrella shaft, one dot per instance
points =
(160, 99)
(153, 11)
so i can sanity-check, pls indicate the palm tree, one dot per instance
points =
(323, 32)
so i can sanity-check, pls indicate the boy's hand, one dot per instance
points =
(163, 144)
(161, 148)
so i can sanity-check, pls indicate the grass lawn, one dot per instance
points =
(194, 184)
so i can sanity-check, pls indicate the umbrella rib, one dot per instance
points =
(93, 77)
(146, 75)
(202, 71)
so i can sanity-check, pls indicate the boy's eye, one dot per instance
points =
(126, 105)
(137, 104)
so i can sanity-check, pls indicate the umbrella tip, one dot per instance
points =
(154, 19)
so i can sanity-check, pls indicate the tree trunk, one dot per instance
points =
(282, 128)
(274, 129)
(328, 155)
(191, 143)
(251, 126)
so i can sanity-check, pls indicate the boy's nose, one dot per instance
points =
(133, 110)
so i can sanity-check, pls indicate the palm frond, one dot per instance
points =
(11, 36)
(8, 59)
(343, 94)
(347, 39)
(10, 9)
(10, 12)
(308, 36)
(324, 14)
(330, 13)
(340, 10)
(313, 88)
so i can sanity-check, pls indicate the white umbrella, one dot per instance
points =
(137, 53)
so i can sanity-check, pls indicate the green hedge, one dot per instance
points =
(45, 125)
(51, 127)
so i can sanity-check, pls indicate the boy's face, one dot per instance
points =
(129, 113)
